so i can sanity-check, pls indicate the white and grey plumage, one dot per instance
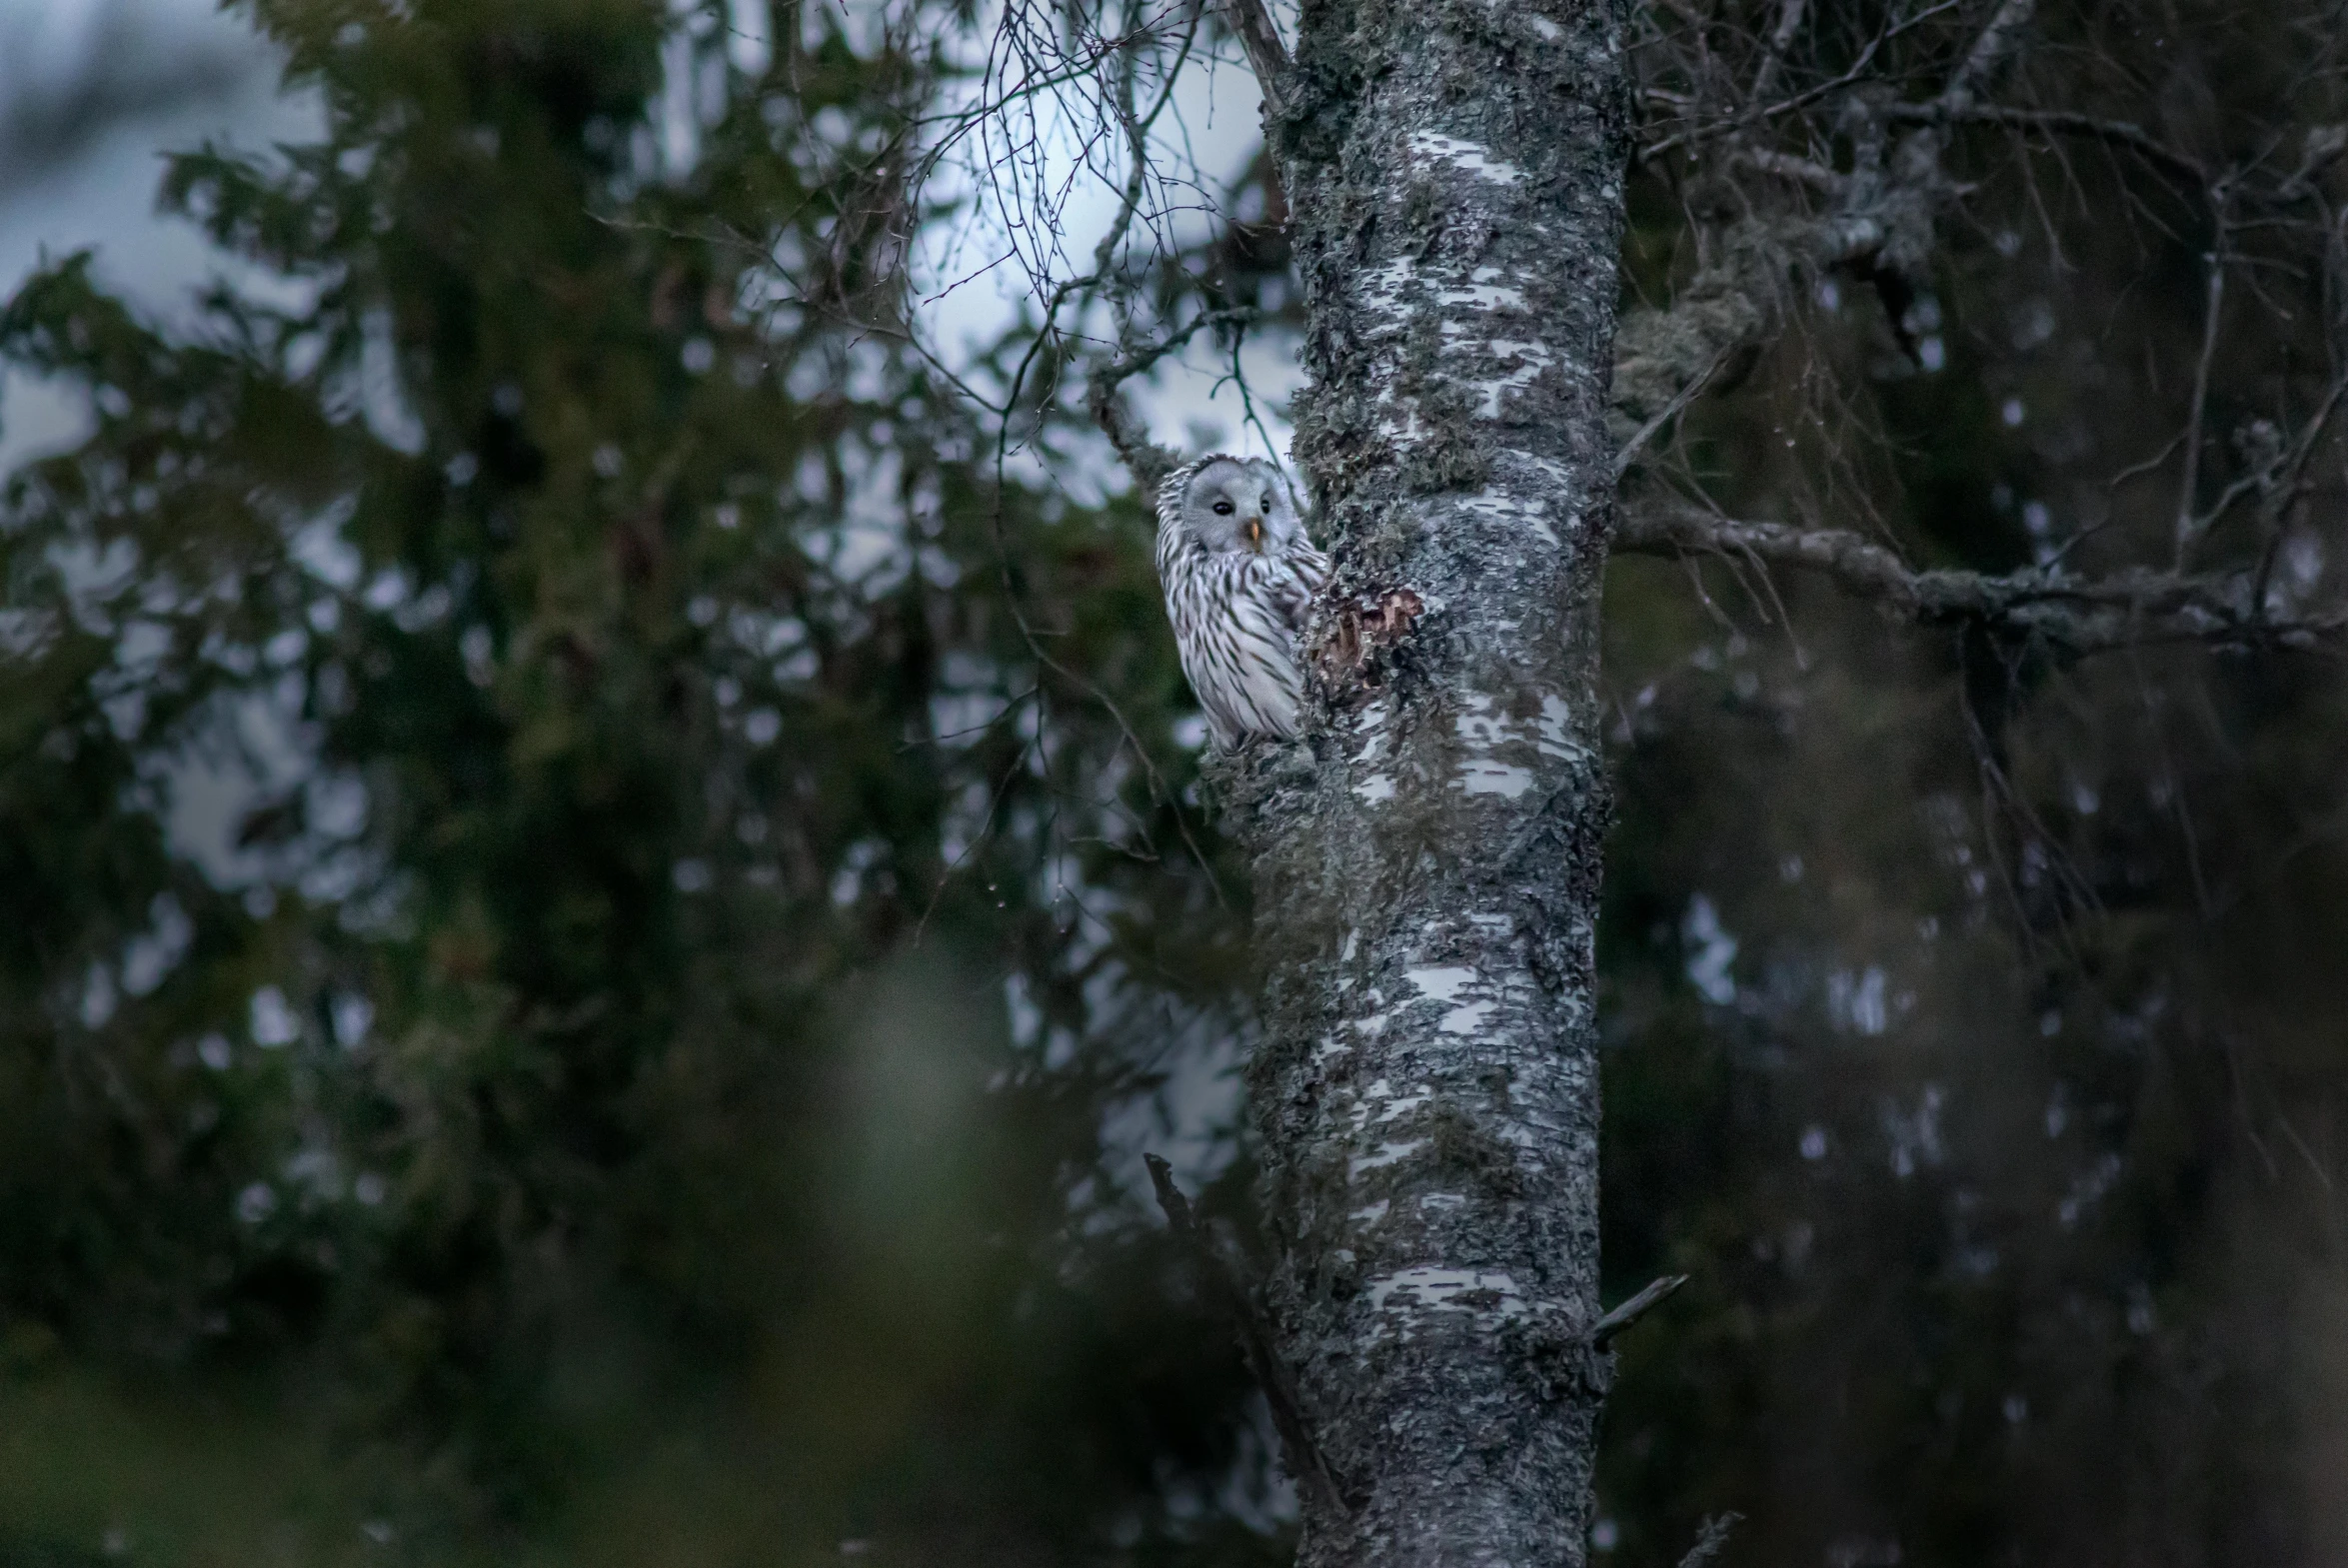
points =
(1238, 576)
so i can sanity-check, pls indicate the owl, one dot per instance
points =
(1239, 575)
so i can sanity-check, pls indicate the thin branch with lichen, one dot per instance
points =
(2066, 610)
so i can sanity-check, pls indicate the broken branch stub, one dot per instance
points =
(1360, 632)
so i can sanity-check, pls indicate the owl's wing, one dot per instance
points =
(1297, 576)
(1310, 564)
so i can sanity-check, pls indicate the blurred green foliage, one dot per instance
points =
(587, 1117)
(598, 900)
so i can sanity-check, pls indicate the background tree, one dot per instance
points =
(644, 1052)
(661, 1075)
(2045, 350)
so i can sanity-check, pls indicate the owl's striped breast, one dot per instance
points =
(1235, 619)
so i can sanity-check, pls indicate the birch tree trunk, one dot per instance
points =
(1426, 862)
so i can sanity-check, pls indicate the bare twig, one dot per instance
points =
(1136, 128)
(1223, 1279)
(1860, 70)
(1637, 1307)
(1669, 411)
(2189, 524)
(1710, 1538)
(2119, 133)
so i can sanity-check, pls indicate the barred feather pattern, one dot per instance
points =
(1238, 617)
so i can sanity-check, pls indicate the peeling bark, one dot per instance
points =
(1427, 857)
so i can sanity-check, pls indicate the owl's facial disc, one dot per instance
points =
(1247, 521)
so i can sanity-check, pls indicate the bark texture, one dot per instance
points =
(1426, 858)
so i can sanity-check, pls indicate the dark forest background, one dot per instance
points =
(720, 899)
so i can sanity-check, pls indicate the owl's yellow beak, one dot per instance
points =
(1255, 533)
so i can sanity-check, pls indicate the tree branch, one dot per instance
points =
(1711, 1539)
(1789, 21)
(1105, 399)
(1223, 1279)
(2082, 615)
(1988, 52)
(1637, 1307)
(1266, 55)
(2119, 133)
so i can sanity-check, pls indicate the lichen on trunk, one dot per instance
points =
(1426, 858)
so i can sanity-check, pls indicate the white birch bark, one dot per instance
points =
(1427, 859)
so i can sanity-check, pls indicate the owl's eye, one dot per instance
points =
(1267, 502)
(1222, 509)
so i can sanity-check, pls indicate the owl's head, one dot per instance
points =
(1235, 506)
